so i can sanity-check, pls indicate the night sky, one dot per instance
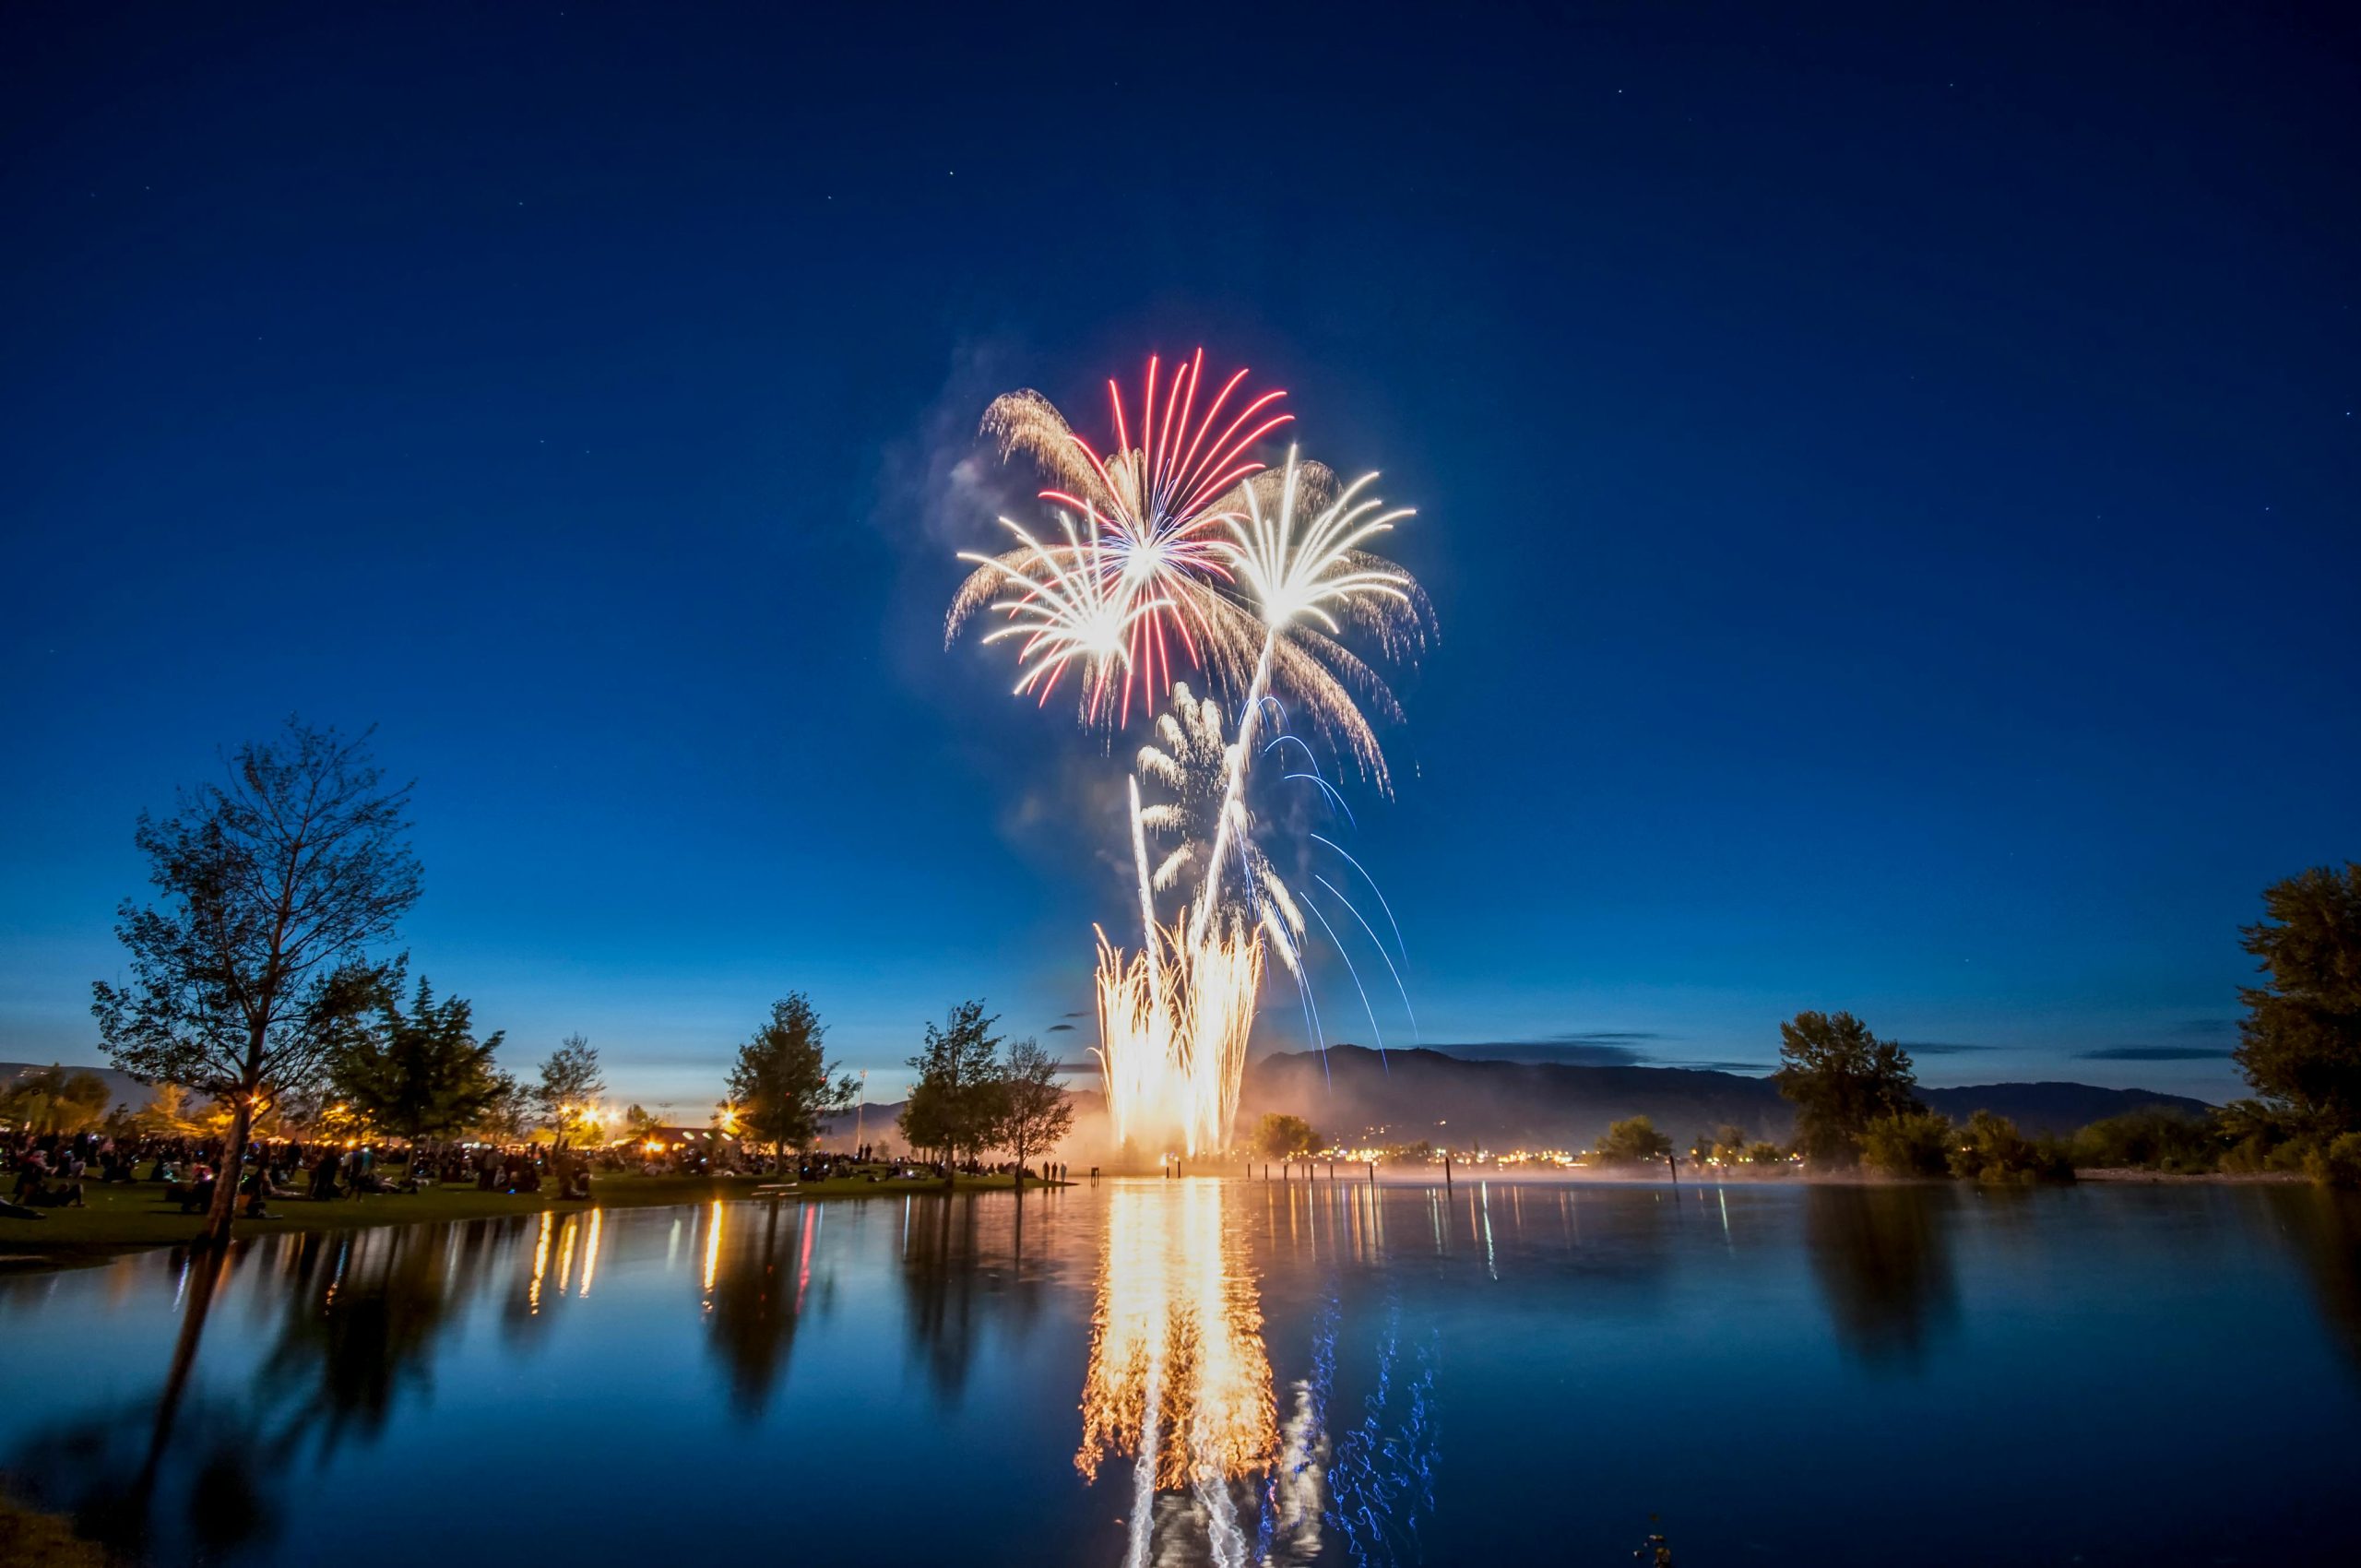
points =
(1887, 485)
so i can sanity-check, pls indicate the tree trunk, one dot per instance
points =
(234, 1161)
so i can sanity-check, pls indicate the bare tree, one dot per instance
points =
(571, 1084)
(253, 967)
(1033, 1112)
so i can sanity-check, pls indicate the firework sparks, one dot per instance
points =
(1154, 510)
(1178, 536)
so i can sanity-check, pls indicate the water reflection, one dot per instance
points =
(363, 1313)
(1884, 1264)
(963, 1269)
(1180, 1384)
(2326, 1228)
(757, 1275)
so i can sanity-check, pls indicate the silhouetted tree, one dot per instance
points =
(1629, 1142)
(955, 1102)
(421, 1074)
(1840, 1077)
(1281, 1136)
(1034, 1110)
(571, 1084)
(2300, 1041)
(783, 1084)
(254, 968)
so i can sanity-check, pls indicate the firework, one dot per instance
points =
(1179, 537)
(1152, 517)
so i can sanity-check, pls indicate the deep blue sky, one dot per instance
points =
(1889, 486)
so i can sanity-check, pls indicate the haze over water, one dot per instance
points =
(1503, 1373)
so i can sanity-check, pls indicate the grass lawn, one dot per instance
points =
(129, 1215)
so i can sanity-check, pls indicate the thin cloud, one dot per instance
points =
(2155, 1053)
(1053, 1028)
(1941, 1047)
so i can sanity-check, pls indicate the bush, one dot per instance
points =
(1915, 1143)
(1992, 1150)
(2152, 1138)
(1630, 1141)
(2336, 1163)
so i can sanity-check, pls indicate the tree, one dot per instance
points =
(254, 968)
(423, 1074)
(1991, 1149)
(567, 1096)
(1633, 1141)
(168, 1113)
(508, 1114)
(52, 1100)
(1841, 1079)
(2300, 1041)
(954, 1105)
(782, 1084)
(1034, 1110)
(1912, 1143)
(1284, 1138)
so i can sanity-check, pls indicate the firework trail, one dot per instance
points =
(1178, 538)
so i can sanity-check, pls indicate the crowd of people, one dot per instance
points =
(53, 1170)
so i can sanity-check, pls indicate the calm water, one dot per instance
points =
(1207, 1371)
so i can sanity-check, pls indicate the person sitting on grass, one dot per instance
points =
(258, 1188)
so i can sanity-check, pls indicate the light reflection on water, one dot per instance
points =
(1200, 1372)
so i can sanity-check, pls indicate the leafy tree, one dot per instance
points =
(1630, 1141)
(2152, 1137)
(1280, 1136)
(1034, 1109)
(640, 1121)
(1764, 1154)
(955, 1102)
(508, 1114)
(168, 1113)
(1992, 1150)
(254, 968)
(423, 1074)
(571, 1084)
(1841, 1079)
(2300, 1041)
(1725, 1144)
(1913, 1143)
(52, 1100)
(783, 1084)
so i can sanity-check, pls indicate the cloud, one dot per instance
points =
(2204, 1027)
(2155, 1053)
(1053, 1028)
(1940, 1047)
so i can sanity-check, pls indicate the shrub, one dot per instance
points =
(2152, 1138)
(1629, 1142)
(2336, 1163)
(1915, 1143)
(1992, 1150)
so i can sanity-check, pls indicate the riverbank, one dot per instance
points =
(132, 1216)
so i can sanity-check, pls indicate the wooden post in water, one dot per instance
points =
(1446, 1168)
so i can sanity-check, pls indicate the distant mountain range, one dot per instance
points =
(1415, 1095)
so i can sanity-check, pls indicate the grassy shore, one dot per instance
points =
(127, 1217)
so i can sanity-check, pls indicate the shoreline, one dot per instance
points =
(124, 1219)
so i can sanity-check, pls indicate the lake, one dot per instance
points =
(1231, 1371)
